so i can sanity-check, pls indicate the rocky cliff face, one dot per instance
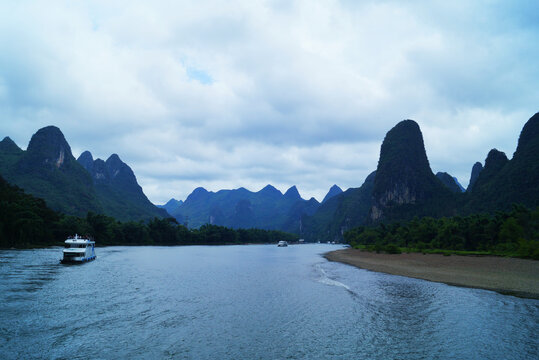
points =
(403, 175)
(48, 148)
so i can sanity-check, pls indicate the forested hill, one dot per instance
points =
(117, 189)
(404, 186)
(403, 176)
(503, 182)
(48, 170)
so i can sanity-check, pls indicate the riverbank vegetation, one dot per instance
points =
(514, 233)
(26, 221)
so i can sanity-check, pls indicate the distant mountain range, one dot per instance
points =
(241, 208)
(402, 187)
(171, 206)
(450, 181)
(48, 170)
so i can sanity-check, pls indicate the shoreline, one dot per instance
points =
(508, 276)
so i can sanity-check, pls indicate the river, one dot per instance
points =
(246, 302)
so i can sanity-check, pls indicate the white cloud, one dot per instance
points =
(244, 93)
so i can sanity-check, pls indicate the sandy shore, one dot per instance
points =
(519, 277)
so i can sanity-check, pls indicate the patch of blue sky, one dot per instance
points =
(199, 75)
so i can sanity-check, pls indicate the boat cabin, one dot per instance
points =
(78, 249)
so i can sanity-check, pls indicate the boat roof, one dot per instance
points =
(78, 240)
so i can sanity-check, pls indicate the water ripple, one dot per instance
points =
(254, 302)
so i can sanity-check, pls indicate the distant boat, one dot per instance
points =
(78, 250)
(282, 243)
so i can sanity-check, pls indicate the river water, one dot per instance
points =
(246, 302)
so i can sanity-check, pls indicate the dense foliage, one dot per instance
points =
(514, 233)
(26, 221)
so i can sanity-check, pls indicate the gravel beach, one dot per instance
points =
(519, 277)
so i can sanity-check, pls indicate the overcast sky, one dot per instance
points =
(224, 94)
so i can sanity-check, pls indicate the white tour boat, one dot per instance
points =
(78, 250)
(282, 243)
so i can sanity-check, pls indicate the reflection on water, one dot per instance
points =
(256, 302)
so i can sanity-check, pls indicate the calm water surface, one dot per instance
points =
(246, 302)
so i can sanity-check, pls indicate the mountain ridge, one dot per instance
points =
(267, 208)
(403, 186)
(118, 190)
(47, 169)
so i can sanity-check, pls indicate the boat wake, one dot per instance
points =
(325, 279)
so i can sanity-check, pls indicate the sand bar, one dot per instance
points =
(519, 277)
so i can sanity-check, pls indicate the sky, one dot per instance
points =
(229, 94)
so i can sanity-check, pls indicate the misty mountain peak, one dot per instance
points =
(114, 161)
(86, 160)
(174, 202)
(270, 190)
(292, 193)
(171, 206)
(333, 191)
(199, 194)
